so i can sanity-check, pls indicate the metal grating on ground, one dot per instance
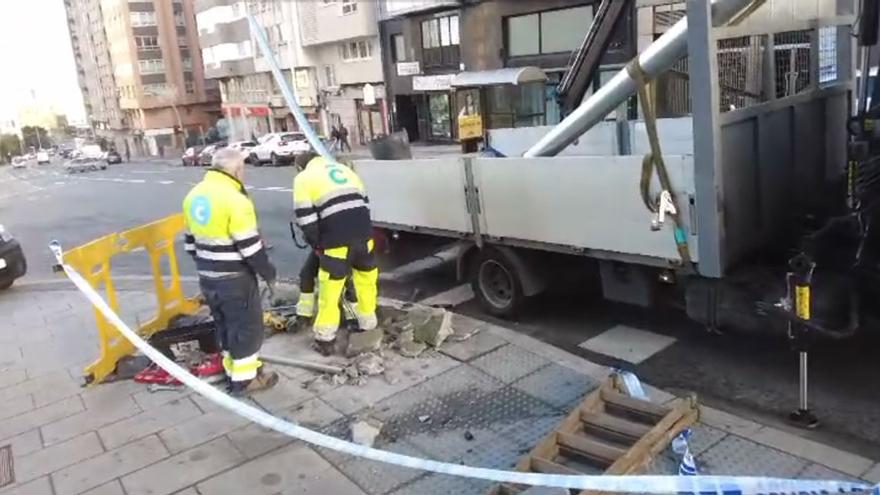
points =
(510, 363)
(557, 385)
(738, 456)
(7, 467)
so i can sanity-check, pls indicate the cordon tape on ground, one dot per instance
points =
(726, 485)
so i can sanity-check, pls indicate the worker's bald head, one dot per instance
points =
(230, 161)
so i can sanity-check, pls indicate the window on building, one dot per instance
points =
(349, 7)
(398, 48)
(190, 87)
(356, 50)
(552, 31)
(328, 2)
(181, 42)
(155, 89)
(186, 63)
(179, 20)
(146, 42)
(330, 76)
(139, 19)
(151, 66)
(440, 39)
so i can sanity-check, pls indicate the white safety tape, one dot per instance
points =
(725, 485)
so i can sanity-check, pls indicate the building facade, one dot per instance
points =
(328, 50)
(343, 38)
(159, 74)
(95, 73)
(426, 44)
(251, 100)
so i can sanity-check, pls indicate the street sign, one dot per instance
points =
(440, 82)
(408, 68)
(470, 126)
(369, 94)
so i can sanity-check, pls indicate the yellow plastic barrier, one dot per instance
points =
(92, 260)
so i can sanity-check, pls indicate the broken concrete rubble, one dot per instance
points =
(366, 341)
(431, 325)
(365, 432)
(370, 364)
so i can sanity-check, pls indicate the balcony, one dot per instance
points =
(389, 9)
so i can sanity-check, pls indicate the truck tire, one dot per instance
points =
(496, 283)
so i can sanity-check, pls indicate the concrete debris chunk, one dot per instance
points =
(366, 341)
(370, 364)
(431, 325)
(365, 432)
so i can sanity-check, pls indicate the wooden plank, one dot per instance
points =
(642, 449)
(632, 404)
(606, 423)
(588, 447)
(546, 466)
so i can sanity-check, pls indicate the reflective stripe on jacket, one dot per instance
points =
(221, 229)
(331, 205)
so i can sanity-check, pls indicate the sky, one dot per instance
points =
(36, 55)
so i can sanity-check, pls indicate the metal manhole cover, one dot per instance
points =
(7, 471)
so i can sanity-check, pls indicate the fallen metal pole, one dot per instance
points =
(299, 363)
(658, 57)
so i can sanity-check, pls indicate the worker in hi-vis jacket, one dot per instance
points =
(332, 209)
(222, 236)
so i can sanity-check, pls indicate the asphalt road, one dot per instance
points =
(753, 376)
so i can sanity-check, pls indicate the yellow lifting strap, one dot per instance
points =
(92, 261)
(654, 159)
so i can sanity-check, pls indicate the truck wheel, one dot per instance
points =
(6, 284)
(496, 283)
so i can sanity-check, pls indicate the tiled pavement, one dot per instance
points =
(501, 390)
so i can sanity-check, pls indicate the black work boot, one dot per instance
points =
(325, 348)
(263, 381)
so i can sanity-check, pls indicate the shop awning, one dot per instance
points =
(495, 77)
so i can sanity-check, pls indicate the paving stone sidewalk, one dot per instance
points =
(500, 389)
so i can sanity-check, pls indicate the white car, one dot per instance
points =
(279, 148)
(19, 162)
(42, 157)
(243, 147)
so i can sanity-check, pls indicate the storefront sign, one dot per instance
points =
(408, 68)
(442, 82)
(470, 126)
(302, 79)
(369, 94)
(258, 111)
(233, 111)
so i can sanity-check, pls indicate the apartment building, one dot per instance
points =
(159, 74)
(428, 43)
(95, 73)
(343, 39)
(328, 50)
(252, 103)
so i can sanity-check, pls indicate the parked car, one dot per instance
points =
(244, 147)
(19, 162)
(207, 154)
(279, 148)
(84, 164)
(43, 157)
(12, 262)
(113, 156)
(191, 156)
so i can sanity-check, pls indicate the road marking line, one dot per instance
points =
(166, 182)
(272, 188)
(627, 343)
(453, 297)
(136, 181)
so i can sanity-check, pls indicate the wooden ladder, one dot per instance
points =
(610, 433)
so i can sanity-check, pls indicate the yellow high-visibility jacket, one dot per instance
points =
(331, 205)
(221, 229)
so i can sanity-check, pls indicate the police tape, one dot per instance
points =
(726, 485)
